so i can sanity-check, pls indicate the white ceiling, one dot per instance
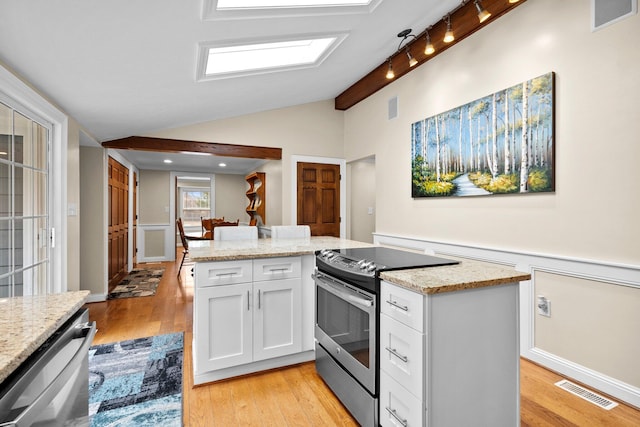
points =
(128, 67)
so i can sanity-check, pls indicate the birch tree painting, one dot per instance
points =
(500, 144)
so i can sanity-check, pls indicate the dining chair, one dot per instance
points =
(290, 231)
(235, 233)
(185, 242)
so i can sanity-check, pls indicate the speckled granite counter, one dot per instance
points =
(27, 322)
(214, 250)
(466, 275)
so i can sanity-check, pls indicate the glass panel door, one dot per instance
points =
(24, 205)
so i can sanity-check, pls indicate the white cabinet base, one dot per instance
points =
(250, 368)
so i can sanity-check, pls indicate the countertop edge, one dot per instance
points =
(12, 363)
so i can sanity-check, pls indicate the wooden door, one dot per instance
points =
(118, 222)
(319, 198)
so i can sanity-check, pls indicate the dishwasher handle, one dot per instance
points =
(28, 415)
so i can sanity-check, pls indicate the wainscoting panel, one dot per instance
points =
(156, 243)
(590, 332)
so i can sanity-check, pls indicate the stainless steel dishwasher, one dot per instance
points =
(51, 388)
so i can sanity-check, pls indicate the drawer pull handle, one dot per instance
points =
(396, 354)
(396, 416)
(276, 270)
(233, 273)
(396, 305)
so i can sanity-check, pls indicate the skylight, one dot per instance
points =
(264, 4)
(265, 57)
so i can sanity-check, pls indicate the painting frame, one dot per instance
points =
(499, 144)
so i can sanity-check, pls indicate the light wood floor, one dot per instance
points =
(296, 396)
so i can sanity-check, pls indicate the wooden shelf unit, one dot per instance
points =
(256, 195)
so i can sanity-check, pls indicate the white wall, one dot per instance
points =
(231, 200)
(582, 242)
(593, 213)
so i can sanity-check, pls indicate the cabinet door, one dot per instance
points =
(398, 407)
(402, 354)
(222, 330)
(277, 329)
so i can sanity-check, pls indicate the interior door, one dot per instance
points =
(318, 199)
(135, 218)
(118, 222)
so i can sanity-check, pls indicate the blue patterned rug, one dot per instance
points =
(137, 382)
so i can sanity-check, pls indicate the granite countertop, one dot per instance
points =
(27, 322)
(215, 250)
(466, 275)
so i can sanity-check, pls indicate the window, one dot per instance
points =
(194, 204)
(24, 204)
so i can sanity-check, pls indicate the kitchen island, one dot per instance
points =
(254, 304)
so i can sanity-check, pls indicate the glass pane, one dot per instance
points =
(23, 140)
(41, 239)
(18, 172)
(25, 193)
(26, 243)
(5, 246)
(5, 189)
(40, 137)
(39, 279)
(345, 323)
(39, 193)
(17, 244)
(18, 282)
(5, 287)
(6, 130)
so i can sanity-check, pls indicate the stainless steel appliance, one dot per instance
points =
(51, 388)
(348, 321)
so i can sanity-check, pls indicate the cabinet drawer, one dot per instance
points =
(398, 407)
(402, 354)
(276, 268)
(223, 273)
(403, 305)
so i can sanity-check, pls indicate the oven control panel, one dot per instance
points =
(342, 262)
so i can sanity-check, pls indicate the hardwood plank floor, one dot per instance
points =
(296, 395)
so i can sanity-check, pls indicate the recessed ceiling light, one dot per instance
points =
(168, 161)
(3, 153)
(222, 165)
(241, 59)
(263, 4)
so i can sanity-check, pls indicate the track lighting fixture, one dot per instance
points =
(390, 73)
(429, 49)
(483, 14)
(448, 35)
(412, 61)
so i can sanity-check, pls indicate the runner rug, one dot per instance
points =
(137, 382)
(138, 283)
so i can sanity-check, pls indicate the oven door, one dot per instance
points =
(346, 327)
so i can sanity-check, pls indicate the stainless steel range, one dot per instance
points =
(348, 321)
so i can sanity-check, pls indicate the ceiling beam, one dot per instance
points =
(145, 143)
(464, 22)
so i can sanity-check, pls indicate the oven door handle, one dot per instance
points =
(86, 332)
(341, 291)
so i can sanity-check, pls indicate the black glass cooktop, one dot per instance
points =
(387, 259)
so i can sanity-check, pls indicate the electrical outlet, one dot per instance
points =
(544, 306)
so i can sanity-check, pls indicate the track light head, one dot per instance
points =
(483, 14)
(412, 61)
(429, 49)
(390, 74)
(448, 35)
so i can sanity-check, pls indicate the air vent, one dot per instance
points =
(587, 395)
(607, 12)
(393, 108)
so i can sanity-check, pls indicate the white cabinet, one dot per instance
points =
(223, 326)
(245, 312)
(449, 359)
